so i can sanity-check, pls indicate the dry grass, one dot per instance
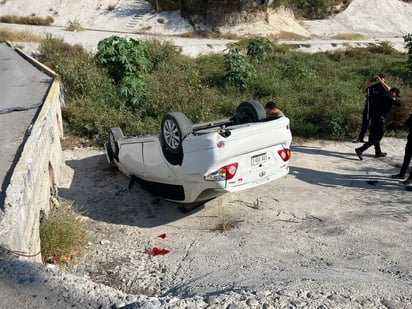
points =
(349, 36)
(62, 234)
(74, 26)
(27, 20)
(225, 222)
(284, 35)
(18, 36)
(70, 142)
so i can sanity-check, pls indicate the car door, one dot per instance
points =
(155, 166)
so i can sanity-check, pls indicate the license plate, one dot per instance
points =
(259, 159)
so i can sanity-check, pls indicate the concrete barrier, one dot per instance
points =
(35, 177)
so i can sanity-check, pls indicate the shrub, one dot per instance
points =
(259, 48)
(177, 86)
(238, 71)
(160, 52)
(126, 63)
(62, 233)
(320, 93)
(313, 9)
(74, 26)
(122, 57)
(93, 118)
(77, 69)
(53, 49)
(408, 45)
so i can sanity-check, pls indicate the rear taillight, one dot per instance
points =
(226, 172)
(285, 154)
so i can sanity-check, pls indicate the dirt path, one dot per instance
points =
(336, 230)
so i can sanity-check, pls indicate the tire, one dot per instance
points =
(249, 111)
(175, 127)
(113, 146)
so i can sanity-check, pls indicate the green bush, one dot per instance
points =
(408, 45)
(159, 52)
(238, 70)
(126, 61)
(320, 93)
(259, 48)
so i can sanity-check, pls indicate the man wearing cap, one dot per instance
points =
(380, 112)
(375, 89)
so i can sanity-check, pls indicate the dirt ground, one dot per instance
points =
(334, 233)
(334, 224)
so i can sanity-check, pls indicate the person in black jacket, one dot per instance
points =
(380, 111)
(408, 155)
(375, 89)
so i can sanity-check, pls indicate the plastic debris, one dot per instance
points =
(163, 236)
(25, 280)
(156, 251)
(56, 259)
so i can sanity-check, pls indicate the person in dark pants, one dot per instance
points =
(375, 89)
(380, 113)
(408, 155)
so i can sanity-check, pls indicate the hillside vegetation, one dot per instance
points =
(132, 84)
(215, 10)
(304, 8)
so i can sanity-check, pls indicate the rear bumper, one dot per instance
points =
(259, 181)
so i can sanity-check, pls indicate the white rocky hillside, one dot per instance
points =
(378, 18)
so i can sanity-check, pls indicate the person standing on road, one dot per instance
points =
(272, 110)
(380, 112)
(408, 155)
(375, 89)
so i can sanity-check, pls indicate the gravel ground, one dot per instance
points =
(334, 233)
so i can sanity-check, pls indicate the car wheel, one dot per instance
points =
(175, 127)
(113, 146)
(249, 111)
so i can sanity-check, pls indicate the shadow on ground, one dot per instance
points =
(102, 193)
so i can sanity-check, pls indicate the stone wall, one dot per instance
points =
(34, 177)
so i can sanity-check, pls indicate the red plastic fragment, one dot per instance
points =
(156, 251)
(162, 235)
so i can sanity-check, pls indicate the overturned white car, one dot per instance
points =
(189, 163)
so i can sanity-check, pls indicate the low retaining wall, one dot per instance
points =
(35, 176)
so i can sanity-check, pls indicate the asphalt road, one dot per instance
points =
(22, 88)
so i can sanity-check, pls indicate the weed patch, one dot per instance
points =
(134, 86)
(62, 234)
(349, 36)
(18, 36)
(27, 20)
(74, 26)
